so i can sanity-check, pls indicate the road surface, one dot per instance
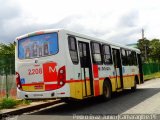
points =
(145, 100)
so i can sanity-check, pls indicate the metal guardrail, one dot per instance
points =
(149, 68)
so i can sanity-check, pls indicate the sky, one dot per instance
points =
(118, 21)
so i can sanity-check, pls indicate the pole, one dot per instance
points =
(145, 51)
(145, 45)
(6, 67)
(142, 34)
(7, 95)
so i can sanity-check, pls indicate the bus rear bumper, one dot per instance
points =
(59, 93)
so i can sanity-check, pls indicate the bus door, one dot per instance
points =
(140, 68)
(86, 69)
(118, 67)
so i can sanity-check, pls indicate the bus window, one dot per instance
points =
(96, 53)
(83, 54)
(107, 59)
(38, 46)
(129, 56)
(124, 57)
(73, 49)
(134, 58)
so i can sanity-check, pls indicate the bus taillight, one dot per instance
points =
(18, 82)
(62, 76)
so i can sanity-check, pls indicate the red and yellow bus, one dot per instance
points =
(64, 64)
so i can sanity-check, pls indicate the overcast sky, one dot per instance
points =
(114, 20)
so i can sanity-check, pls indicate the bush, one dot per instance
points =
(8, 103)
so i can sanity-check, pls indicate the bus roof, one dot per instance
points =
(77, 35)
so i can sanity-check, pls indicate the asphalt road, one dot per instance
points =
(145, 100)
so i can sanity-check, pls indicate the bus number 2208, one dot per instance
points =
(34, 71)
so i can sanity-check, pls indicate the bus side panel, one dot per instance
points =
(129, 73)
(87, 82)
(107, 71)
(127, 81)
(76, 84)
(72, 89)
(113, 78)
(83, 83)
(78, 90)
(101, 80)
(118, 82)
(133, 70)
(113, 82)
(73, 79)
(126, 76)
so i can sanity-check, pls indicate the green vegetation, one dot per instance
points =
(7, 49)
(7, 58)
(150, 53)
(149, 50)
(7, 103)
(24, 102)
(152, 76)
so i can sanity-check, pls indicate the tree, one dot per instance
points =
(144, 46)
(7, 55)
(7, 50)
(149, 49)
(155, 49)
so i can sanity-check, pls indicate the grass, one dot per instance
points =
(8, 103)
(152, 76)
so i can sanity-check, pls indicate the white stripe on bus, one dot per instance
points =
(50, 82)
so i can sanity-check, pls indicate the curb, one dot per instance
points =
(151, 79)
(28, 109)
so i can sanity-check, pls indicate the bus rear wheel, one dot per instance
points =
(107, 90)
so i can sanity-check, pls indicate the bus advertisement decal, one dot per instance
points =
(50, 72)
(95, 71)
(96, 88)
(50, 75)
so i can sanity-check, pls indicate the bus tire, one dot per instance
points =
(107, 90)
(135, 85)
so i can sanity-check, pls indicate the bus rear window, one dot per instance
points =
(38, 46)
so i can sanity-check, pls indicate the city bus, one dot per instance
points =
(59, 63)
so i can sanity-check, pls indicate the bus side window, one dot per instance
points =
(106, 50)
(134, 58)
(96, 53)
(129, 56)
(124, 57)
(73, 49)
